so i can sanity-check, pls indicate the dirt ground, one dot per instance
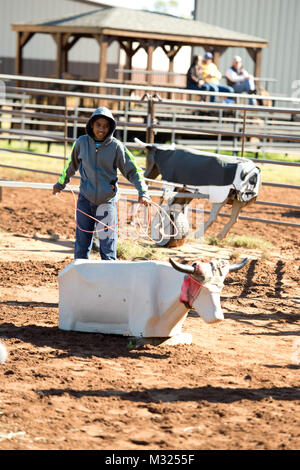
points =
(235, 387)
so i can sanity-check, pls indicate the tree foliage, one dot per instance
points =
(166, 6)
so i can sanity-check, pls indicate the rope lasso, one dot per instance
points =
(159, 211)
(88, 215)
(158, 208)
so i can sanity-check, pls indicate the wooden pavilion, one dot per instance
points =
(134, 29)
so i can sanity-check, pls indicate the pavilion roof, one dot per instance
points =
(120, 21)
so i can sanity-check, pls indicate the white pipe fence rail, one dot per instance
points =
(132, 192)
(149, 126)
(143, 88)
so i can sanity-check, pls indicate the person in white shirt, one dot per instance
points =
(240, 80)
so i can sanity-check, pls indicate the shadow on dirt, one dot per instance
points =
(29, 303)
(249, 278)
(273, 316)
(206, 393)
(70, 343)
(52, 240)
(291, 213)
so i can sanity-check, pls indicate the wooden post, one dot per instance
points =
(171, 53)
(102, 71)
(150, 50)
(19, 54)
(127, 46)
(258, 56)
(103, 58)
(149, 130)
(150, 134)
(64, 53)
(170, 79)
(216, 57)
(244, 129)
(150, 120)
(171, 70)
(22, 40)
(59, 45)
(128, 62)
(66, 46)
(65, 132)
(218, 51)
(58, 39)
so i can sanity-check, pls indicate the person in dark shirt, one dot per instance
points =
(194, 78)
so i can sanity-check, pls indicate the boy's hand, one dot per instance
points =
(55, 189)
(144, 200)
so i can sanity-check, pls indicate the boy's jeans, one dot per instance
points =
(107, 213)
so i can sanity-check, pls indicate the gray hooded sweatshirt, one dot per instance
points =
(98, 166)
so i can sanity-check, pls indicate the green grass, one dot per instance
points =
(39, 147)
(128, 250)
(38, 162)
(240, 241)
(286, 157)
(280, 174)
(267, 156)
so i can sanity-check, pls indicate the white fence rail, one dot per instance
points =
(151, 115)
(132, 192)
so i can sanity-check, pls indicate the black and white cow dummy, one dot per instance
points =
(219, 178)
(140, 298)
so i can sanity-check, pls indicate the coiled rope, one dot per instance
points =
(160, 211)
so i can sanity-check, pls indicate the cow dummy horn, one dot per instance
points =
(183, 268)
(236, 266)
(143, 144)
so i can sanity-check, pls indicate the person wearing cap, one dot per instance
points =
(240, 80)
(212, 76)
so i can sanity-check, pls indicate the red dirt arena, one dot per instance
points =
(235, 387)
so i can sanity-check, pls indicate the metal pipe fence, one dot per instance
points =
(149, 126)
(130, 192)
(152, 127)
(133, 87)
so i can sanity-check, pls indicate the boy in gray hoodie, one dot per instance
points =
(98, 155)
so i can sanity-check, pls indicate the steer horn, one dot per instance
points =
(236, 266)
(143, 144)
(183, 268)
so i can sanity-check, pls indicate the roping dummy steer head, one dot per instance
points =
(203, 284)
(142, 298)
